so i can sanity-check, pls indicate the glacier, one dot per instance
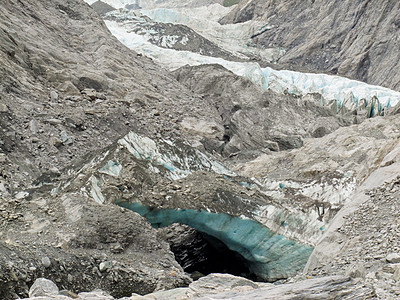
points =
(231, 37)
(269, 255)
(344, 91)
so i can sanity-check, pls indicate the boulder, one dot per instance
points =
(43, 287)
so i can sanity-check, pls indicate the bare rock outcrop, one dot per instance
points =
(359, 40)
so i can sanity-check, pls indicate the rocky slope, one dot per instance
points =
(370, 252)
(103, 151)
(357, 39)
(251, 119)
(77, 89)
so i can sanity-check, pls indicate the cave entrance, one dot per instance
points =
(200, 254)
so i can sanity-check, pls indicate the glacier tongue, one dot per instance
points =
(345, 92)
(232, 37)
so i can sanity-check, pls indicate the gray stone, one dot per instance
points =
(356, 270)
(54, 121)
(396, 275)
(21, 195)
(54, 95)
(105, 265)
(33, 126)
(43, 287)
(46, 262)
(173, 294)
(66, 139)
(217, 283)
(3, 108)
(393, 258)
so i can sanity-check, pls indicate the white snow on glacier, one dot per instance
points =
(231, 37)
(345, 91)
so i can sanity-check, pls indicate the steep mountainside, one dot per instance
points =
(357, 39)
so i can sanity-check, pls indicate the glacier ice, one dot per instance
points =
(178, 162)
(231, 37)
(345, 92)
(270, 256)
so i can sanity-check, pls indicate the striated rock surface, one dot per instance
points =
(354, 39)
(320, 288)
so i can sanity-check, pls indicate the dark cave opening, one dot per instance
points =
(200, 254)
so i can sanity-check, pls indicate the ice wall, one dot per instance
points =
(346, 91)
(270, 256)
(179, 161)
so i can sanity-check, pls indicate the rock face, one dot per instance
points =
(354, 39)
(102, 8)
